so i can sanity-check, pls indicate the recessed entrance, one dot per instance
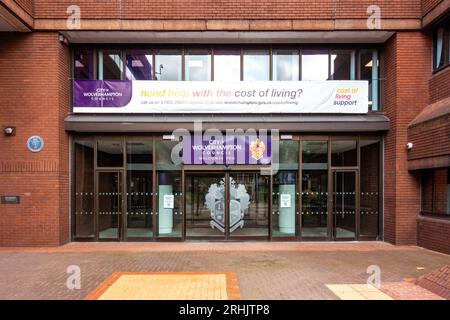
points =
(324, 188)
(227, 206)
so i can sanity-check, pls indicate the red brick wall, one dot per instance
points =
(34, 97)
(440, 85)
(233, 9)
(428, 5)
(407, 64)
(425, 136)
(433, 234)
(26, 5)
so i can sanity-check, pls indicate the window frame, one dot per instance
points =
(445, 48)
(355, 50)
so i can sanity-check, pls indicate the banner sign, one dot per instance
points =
(243, 149)
(141, 96)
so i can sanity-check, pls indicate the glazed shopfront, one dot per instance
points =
(288, 160)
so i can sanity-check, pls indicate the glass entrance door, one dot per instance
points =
(344, 204)
(248, 205)
(205, 205)
(227, 205)
(109, 205)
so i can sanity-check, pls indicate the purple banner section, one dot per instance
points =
(99, 93)
(243, 149)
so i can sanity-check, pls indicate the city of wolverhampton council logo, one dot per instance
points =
(257, 149)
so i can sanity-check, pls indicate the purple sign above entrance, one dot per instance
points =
(245, 149)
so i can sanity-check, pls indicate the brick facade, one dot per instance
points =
(35, 99)
(233, 9)
(35, 90)
(428, 5)
(430, 135)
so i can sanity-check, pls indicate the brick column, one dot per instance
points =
(407, 62)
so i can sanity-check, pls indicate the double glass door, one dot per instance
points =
(225, 206)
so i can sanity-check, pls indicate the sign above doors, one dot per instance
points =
(244, 149)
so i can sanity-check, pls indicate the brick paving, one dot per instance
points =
(437, 281)
(264, 270)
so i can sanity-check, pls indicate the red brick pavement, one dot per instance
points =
(264, 270)
(437, 281)
(184, 247)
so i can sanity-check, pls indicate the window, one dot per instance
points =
(198, 65)
(111, 65)
(369, 187)
(435, 189)
(286, 65)
(227, 65)
(441, 47)
(168, 65)
(342, 65)
(83, 67)
(344, 153)
(284, 193)
(109, 154)
(368, 70)
(168, 179)
(315, 65)
(314, 189)
(256, 65)
(84, 189)
(139, 65)
(139, 188)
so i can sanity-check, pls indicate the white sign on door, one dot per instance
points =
(168, 201)
(285, 201)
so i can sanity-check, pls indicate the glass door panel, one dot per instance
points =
(284, 204)
(139, 213)
(344, 204)
(109, 197)
(205, 205)
(169, 194)
(314, 190)
(248, 205)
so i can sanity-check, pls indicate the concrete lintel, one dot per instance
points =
(230, 25)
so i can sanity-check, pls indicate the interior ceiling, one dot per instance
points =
(227, 36)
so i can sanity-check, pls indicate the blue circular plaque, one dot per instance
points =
(35, 143)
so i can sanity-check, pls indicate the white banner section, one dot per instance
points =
(221, 97)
